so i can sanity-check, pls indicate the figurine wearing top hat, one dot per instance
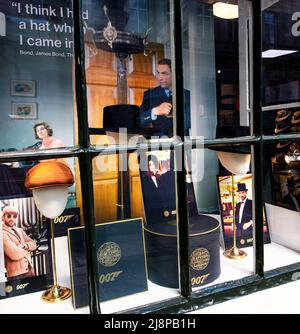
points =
(243, 213)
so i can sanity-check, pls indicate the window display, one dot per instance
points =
(147, 212)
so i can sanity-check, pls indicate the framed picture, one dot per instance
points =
(23, 110)
(235, 197)
(23, 88)
(157, 177)
(25, 255)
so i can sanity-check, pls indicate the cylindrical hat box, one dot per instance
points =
(162, 255)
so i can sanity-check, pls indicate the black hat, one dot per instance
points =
(121, 116)
(242, 187)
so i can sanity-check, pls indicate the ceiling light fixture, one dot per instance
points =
(225, 10)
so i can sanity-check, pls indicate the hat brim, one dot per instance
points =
(279, 119)
(282, 130)
(283, 144)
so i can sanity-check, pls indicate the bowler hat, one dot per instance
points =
(242, 187)
(282, 115)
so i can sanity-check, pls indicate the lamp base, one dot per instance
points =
(56, 294)
(235, 254)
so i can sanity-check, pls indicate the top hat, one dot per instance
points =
(231, 131)
(282, 115)
(242, 187)
(296, 117)
(121, 116)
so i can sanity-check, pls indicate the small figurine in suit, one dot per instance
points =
(243, 213)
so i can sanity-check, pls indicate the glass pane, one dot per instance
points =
(35, 199)
(216, 40)
(280, 93)
(127, 86)
(136, 231)
(221, 228)
(36, 75)
(281, 65)
(281, 185)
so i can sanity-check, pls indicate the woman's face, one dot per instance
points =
(41, 132)
(151, 166)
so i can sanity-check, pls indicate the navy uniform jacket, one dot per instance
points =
(246, 217)
(162, 126)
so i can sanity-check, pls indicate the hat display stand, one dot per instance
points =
(238, 164)
(49, 182)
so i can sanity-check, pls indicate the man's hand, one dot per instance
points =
(163, 109)
(247, 225)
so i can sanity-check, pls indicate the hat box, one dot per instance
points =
(162, 255)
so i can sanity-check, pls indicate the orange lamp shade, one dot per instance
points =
(49, 174)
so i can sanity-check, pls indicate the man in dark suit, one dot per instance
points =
(290, 201)
(243, 213)
(156, 109)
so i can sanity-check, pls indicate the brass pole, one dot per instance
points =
(55, 293)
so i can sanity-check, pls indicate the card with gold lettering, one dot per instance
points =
(120, 256)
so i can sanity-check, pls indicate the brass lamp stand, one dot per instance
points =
(234, 253)
(55, 293)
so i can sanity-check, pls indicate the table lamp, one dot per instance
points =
(49, 182)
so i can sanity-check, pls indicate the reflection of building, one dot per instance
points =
(2, 25)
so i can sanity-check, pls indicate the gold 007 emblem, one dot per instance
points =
(199, 259)
(109, 254)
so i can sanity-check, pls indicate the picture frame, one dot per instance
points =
(41, 272)
(24, 110)
(158, 193)
(229, 200)
(23, 88)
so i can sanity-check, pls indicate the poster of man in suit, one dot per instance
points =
(236, 207)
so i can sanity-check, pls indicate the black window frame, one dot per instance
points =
(187, 300)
